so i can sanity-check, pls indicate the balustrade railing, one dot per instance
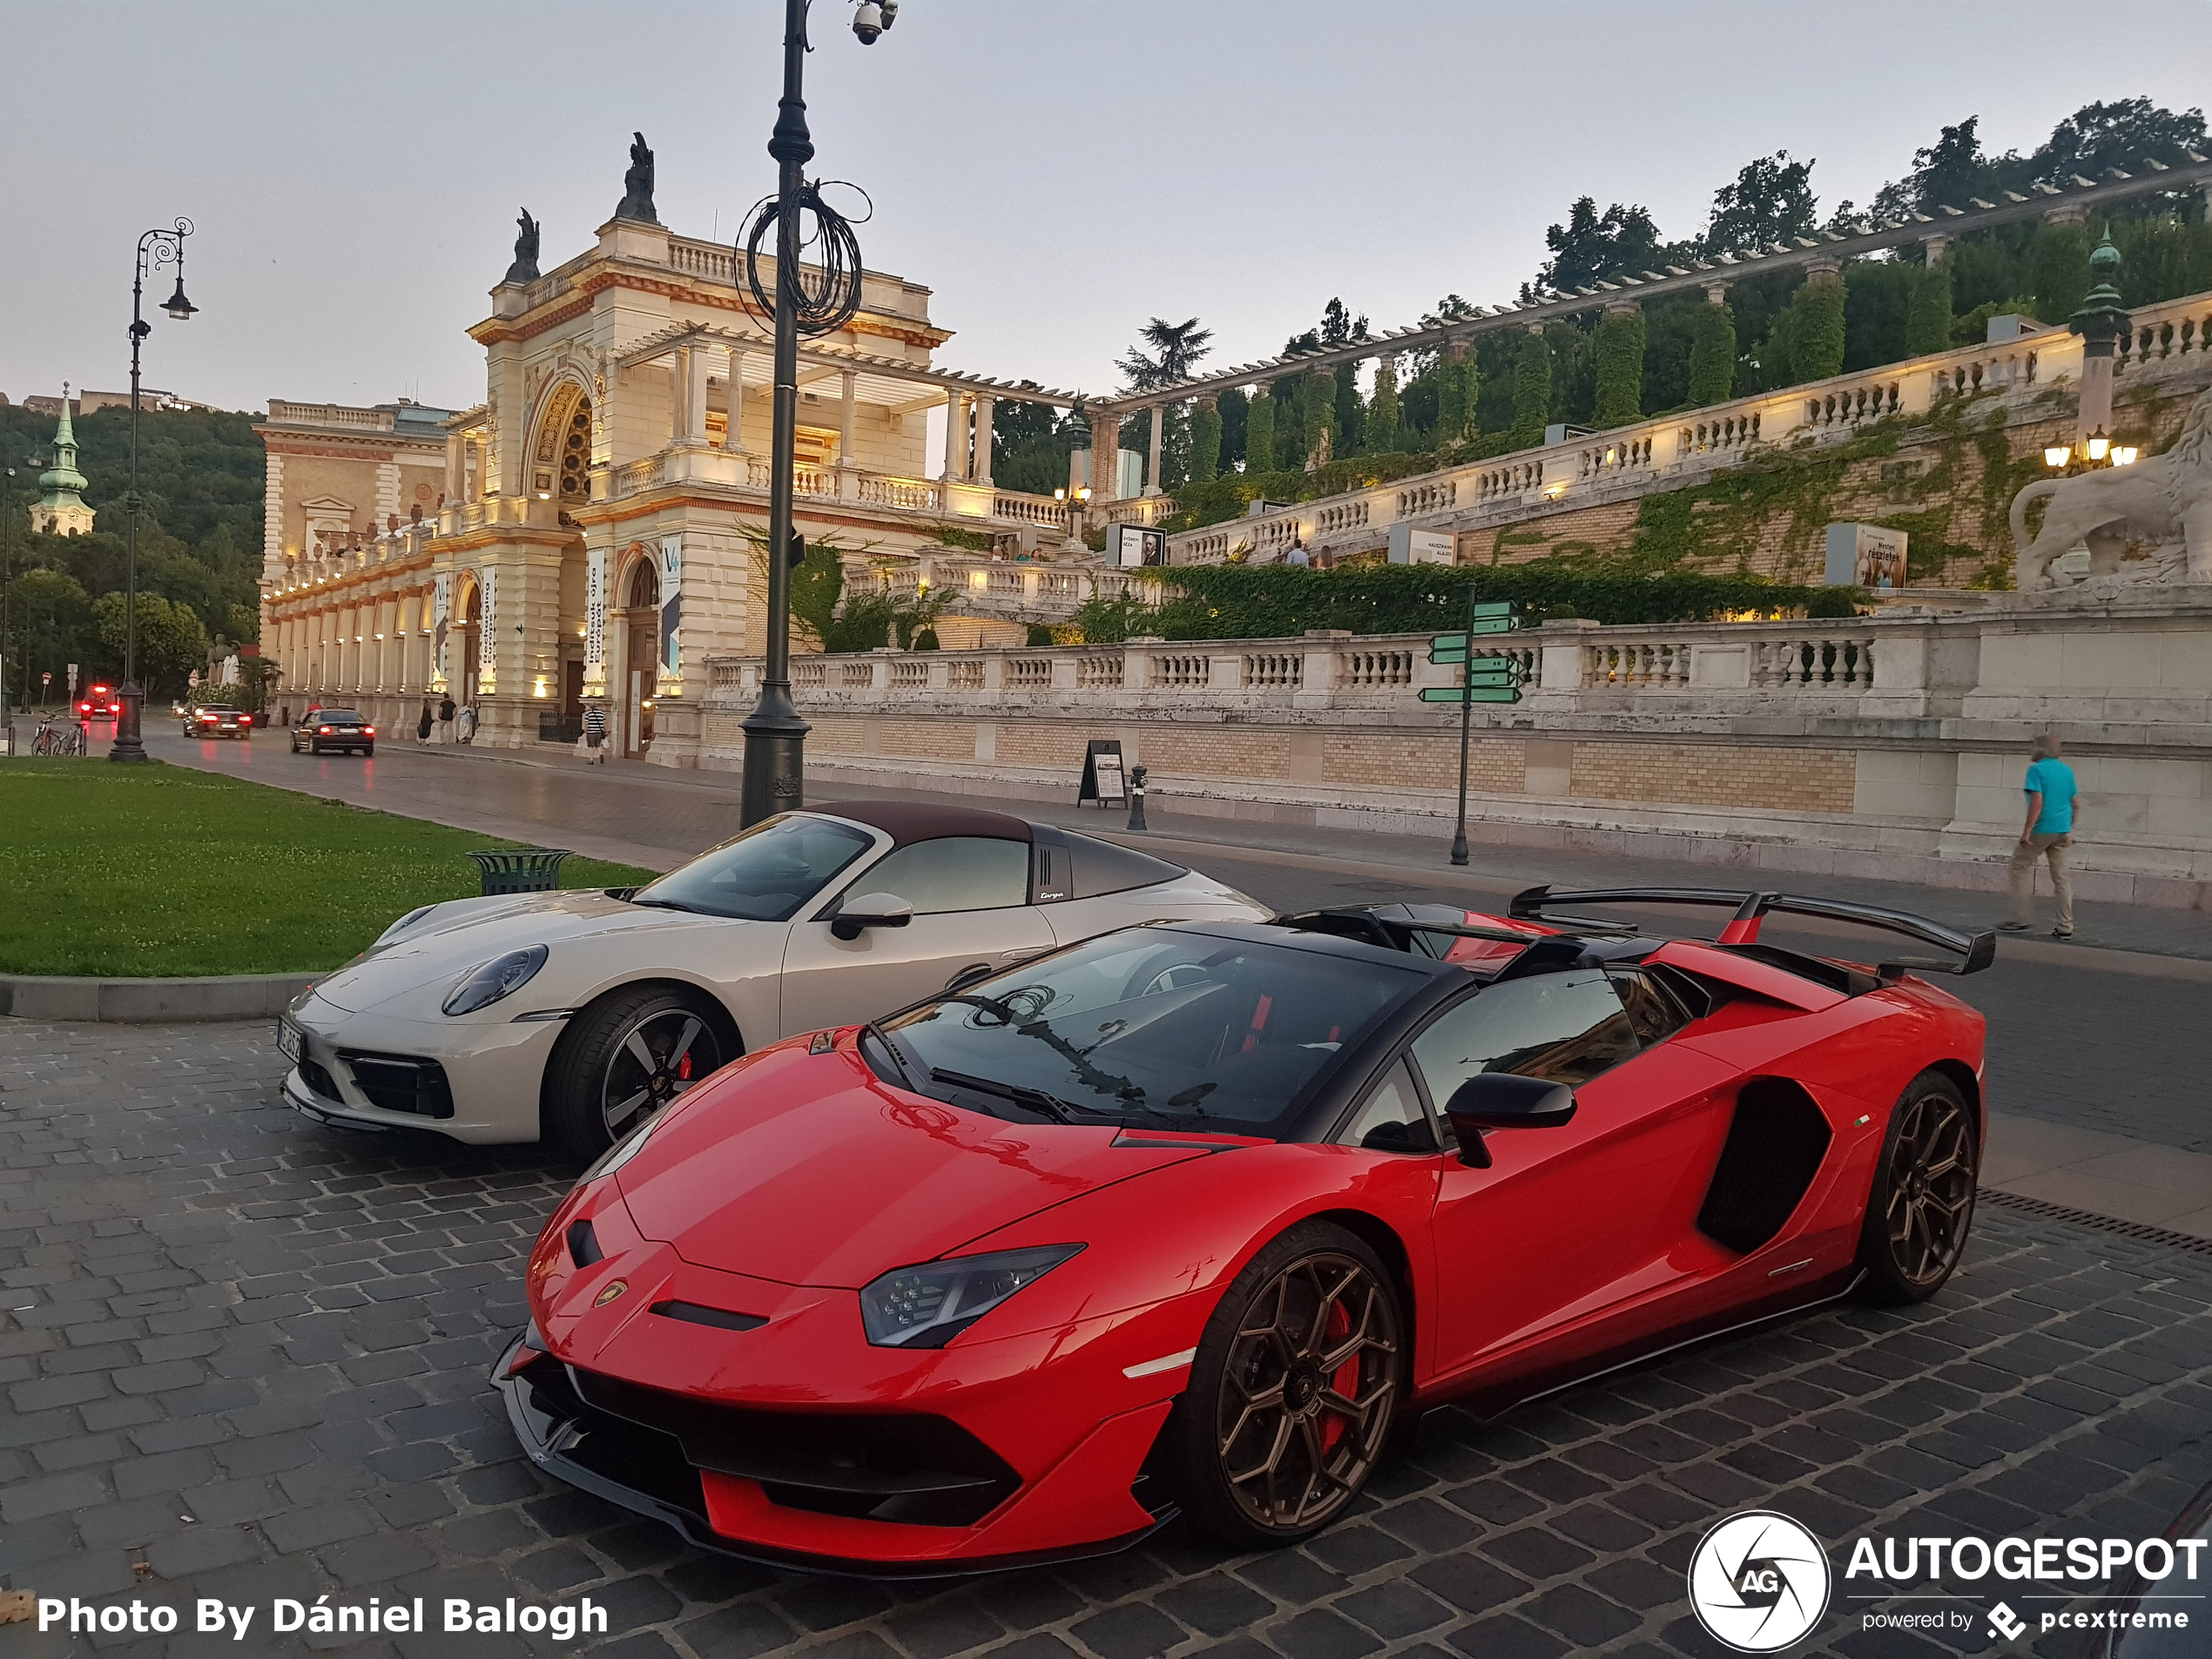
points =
(1725, 434)
(1501, 482)
(1628, 455)
(1728, 667)
(1273, 670)
(2177, 328)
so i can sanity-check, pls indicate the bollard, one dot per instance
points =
(1137, 799)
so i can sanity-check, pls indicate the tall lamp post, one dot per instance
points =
(156, 248)
(775, 733)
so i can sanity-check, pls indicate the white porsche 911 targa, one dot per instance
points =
(567, 1017)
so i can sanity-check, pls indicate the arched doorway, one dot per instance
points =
(561, 472)
(464, 629)
(641, 614)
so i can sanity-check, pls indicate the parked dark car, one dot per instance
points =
(327, 730)
(215, 720)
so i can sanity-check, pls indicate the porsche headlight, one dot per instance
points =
(403, 924)
(486, 982)
(927, 1306)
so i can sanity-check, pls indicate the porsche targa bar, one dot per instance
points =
(570, 1016)
(1187, 1216)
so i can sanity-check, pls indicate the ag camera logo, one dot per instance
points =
(1759, 1581)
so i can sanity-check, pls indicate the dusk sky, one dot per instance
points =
(1056, 171)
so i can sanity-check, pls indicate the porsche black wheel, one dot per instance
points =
(1293, 1393)
(627, 1056)
(1923, 1201)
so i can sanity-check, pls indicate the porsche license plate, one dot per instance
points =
(289, 1040)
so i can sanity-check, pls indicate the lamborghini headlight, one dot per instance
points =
(486, 982)
(927, 1306)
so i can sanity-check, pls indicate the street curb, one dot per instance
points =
(144, 1001)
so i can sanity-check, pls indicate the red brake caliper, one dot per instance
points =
(1345, 1381)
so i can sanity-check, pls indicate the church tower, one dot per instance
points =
(61, 511)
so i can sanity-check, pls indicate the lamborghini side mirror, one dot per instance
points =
(870, 910)
(1492, 1100)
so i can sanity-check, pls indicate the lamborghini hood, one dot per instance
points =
(803, 1168)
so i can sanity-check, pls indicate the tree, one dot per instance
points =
(172, 642)
(1531, 391)
(1031, 444)
(51, 620)
(1950, 173)
(1235, 406)
(1593, 247)
(1620, 368)
(1712, 356)
(1382, 408)
(1176, 349)
(1769, 201)
(2124, 134)
(1318, 404)
(1206, 444)
(1927, 315)
(1350, 413)
(1259, 434)
(1340, 327)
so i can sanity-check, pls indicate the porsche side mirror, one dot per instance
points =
(870, 910)
(1502, 1100)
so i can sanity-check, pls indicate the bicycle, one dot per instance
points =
(66, 739)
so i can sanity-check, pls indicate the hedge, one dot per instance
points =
(1280, 602)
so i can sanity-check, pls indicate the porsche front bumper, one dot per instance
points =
(492, 1070)
(826, 1466)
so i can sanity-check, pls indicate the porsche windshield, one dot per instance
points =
(1190, 1030)
(766, 874)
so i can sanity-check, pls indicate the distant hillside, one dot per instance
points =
(200, 473)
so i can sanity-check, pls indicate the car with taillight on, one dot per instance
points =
(99, 702)
(1185, 1219)
(334, 731)
(569, 1016)
(217, 720)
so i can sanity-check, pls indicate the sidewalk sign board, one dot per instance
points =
(1103, 780)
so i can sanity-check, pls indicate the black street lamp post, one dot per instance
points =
(775, 733)
(156, 248)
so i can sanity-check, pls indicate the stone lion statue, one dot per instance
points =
(2166, 500)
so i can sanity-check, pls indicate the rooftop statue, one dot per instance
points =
(525, 266)
(637, 184)
(2164, 503)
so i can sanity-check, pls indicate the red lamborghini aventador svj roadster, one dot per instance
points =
(1185, 1218)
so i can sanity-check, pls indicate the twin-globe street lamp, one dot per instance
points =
(156, 249)
(775, 735)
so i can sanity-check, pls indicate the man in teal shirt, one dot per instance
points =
(2047, 833)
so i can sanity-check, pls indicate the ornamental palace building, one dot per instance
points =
(595, 530)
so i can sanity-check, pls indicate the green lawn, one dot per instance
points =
(156, 870)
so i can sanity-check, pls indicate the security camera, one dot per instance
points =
(890, 12)
(868, 22)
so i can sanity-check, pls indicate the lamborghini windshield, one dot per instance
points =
(1188, 1030)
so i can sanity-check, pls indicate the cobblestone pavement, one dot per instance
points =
(243, 1358)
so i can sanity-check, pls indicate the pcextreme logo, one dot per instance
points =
(1759, 1581)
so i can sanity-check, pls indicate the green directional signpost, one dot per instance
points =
(1486, 679)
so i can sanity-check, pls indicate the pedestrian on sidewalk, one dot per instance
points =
(422, 726)
(2047, 833)
(445, 719)
(595, 733)
(465, 727)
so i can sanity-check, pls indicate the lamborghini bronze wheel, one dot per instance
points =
(1294, 1390)
(1923, 1201)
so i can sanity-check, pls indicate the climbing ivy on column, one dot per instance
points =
(1259, 434)
(1927, 312)
(1319, 401)
(1620, 368)
(1382, 409)
(2061, 271)
(1816, 338)
(1712, 356)
(1352, 414)
(1206, 442)
(1531, 391)
(1451, 399)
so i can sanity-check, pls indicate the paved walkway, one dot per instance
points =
(2101, 1036)
(244, 1358)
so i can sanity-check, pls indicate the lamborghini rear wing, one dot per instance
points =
(1976, 950)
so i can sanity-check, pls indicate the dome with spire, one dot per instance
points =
(61, 511)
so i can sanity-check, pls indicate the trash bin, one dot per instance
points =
(530, 869)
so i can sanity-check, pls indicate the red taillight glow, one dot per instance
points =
(322, 731)
(368, 731)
